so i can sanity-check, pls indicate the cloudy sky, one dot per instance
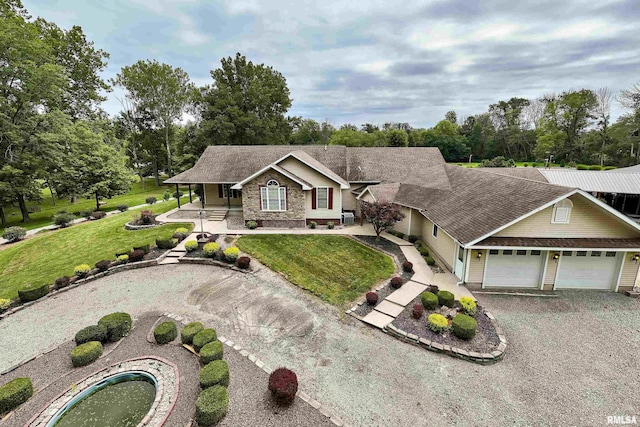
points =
(376, 61)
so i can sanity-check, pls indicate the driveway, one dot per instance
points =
(571, 360)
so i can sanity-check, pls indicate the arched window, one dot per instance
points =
(273, 197)
(562, 212)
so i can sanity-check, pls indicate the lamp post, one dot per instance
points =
(201, 215)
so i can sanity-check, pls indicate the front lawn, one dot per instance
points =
(44, 258)
(336, 268)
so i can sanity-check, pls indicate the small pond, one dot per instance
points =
(121, 400)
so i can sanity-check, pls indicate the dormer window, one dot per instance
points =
(562, 212)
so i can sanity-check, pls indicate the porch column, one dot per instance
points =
(178, 194)
(190, 199)
(203, 195)
(228, 196)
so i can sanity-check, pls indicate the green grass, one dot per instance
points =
(335, 268)
(45, 257)
(46, 209)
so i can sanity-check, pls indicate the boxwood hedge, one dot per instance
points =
(446, 298)
(203, 337)
(15, 393)
(214, 373)
(118, 325)
(86, 353)
(32, 292)
(464, 327)
(212, 406)
(91, 333)
(189, 331)
(211, 351)
(429, 300)
(165, 332)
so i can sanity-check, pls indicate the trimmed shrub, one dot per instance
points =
(331, 225)
(150, 200)
(86, 213)
(211, 351)
(582, 167)
(123, 259)
(63, 219)
(446, 298)
(82, 270)
(433, 289)
(468, 305)
(231, 254)
(210, 249)
(123, 253)
(252, 225)
(283, 385)
(243, 262)
(438, 323)
(98, 214)
(86, 353)
(372, 298)
(203, 337)
(4, 304)
(413, 238)
(166, 196)
(146, 248)
(13, 234)
(214, 373)
(212, 406)
(103, 265)
(146, 216)
(91, 333)
(189, 331)
(32, 292)
(165, 332)
(595, 168)
(608, 168)
(123, 207)
(407, 267)
(62, 282)
(190, 246)
(464, 327)
(418, 310)
(418, 244)
(429, 260)
(423, 251)
(166, 243)
(429, 300)
(570, 164)
(118, 325)
(15, 393)
(396, 282)
(136, 255)
(313, 224)
(177, 194)
(181, 233)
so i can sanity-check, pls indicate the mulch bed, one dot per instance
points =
(154, 253)
(485, 341)
(365, 308)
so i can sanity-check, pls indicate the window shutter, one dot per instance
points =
(220, 195)
(263, 198)
(283, 198)
(330, 197)
(313, 198)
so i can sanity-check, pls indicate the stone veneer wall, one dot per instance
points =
(293, 217)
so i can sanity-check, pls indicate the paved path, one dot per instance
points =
(570, 361)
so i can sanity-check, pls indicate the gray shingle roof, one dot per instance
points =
(527, 173)
(311, 161)
(586, 243)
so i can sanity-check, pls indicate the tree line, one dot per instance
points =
(54, 133)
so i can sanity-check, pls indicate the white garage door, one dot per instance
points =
(587, 270)
(513, 268)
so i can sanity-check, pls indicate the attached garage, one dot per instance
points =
(588, 270)
(514, 268)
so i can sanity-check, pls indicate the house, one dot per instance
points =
(491, 230)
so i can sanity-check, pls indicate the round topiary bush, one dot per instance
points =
(214, 373)
(430, 260)
(166, 243)
(417, 311)
(4, 304)
(15, 393)
(464, 327)
(118, 325)
(468, 305)
(13, 234)
(437, 322)
(165, 332)
(407, 267)
(203, 337)
(123, 207)
(150, 200)
(243, 262)
(396, 282)
(429, 300)
(146, 248)
(252, 225)
(212, 406)
(211, 351)
(32, 292)
(91, 333)
(82, 270)
(446, 298)
(103, 265)
(190, 245)
(231, 254)
(86, 353)
(122, 259)
(136, 255)
(210, 249)
(283, 385)
(189, 331)
(98, 214)
(181, 233)
(372, 298)
(62, 282)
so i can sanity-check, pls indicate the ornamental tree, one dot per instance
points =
(382, 215)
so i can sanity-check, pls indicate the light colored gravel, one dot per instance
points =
(570, 361)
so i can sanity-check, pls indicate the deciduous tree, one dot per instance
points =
(382, 215)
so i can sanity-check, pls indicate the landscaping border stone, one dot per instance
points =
(131, 227)
(209, 261)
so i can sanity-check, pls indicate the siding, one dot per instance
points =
(629, 272)
(552, 268)
(443, 247)
(476, 266)
(403, 226)
(211, 197)
(349, 202)
(416, 222)
(317, 180)
(587, 220)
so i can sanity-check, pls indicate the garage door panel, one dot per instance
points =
(516, 269)
(592, 270)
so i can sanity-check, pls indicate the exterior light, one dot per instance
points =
(556, 256)
(635, 258)
(478, 254)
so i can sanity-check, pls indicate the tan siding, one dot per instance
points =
(443, 247)
(403, 226)
(211, 197)
(416, 222)
(629, 271)
(552, 268)
(349, 201)
(587, 220)
(476, 266)
(367, 197)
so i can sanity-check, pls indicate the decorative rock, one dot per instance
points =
(304, 396)
(412, 337)
(496, 354)
(326, 412)
(314, 403)
(502, 347)
(437, 346)
(337, 421)
(425, 342)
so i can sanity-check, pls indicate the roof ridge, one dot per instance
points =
(518, 177)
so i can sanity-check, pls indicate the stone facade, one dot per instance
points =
(293, 217)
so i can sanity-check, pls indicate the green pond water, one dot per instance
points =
(122, 404)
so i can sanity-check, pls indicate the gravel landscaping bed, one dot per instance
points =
(235, 222)
(485, 341)
(365, 308)
(154, 253)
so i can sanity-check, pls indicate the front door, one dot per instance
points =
(459, 270)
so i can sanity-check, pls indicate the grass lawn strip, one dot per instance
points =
(335, 268)
(44, 258)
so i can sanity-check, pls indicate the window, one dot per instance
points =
(521, 252)
(581, 253)
(566, 253)
(435, 231)
(507, 252)
(460, 253)
(610, 254)
(562, 212)
(596, 253)
(232, 194)
(322, 197)
(535, 253)
(493, 252)
(273, 197)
